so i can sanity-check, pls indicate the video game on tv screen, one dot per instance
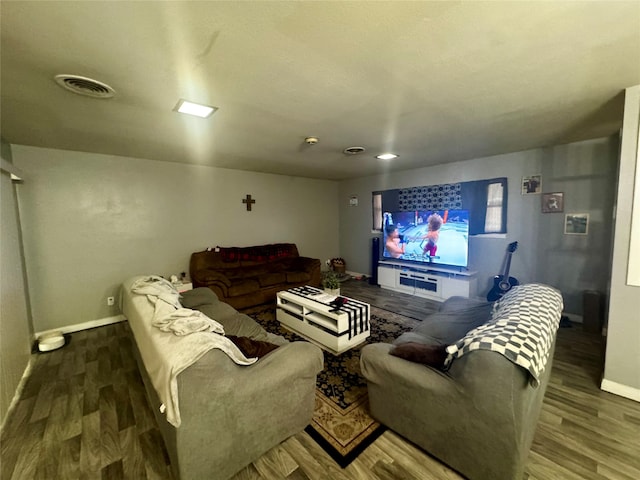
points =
(427, 236)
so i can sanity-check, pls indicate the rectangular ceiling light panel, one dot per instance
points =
(196, 109)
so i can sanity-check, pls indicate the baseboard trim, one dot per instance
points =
(100, 322)
(356, 274)
(620, 390)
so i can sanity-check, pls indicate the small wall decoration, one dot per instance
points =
(248, 201)
(576, 224)
(532, 184)
(353, 201)
(552, 202)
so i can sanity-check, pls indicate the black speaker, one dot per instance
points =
(375, 252)
(592, 311)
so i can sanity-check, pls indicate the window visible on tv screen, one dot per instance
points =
(427, 236)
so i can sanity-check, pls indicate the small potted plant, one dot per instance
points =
(330, 283)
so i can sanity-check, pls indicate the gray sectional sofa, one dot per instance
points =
(478, 413)
(230, 414)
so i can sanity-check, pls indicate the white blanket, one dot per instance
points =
(174, 339)
(185, 321)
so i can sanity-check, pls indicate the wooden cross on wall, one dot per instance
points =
(249, 201)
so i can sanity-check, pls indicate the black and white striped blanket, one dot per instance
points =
(522, 328)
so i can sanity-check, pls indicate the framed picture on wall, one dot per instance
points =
(576, 224)
(553, 202)
(532, 185)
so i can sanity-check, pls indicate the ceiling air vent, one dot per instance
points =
(353, 150)
(85, 86)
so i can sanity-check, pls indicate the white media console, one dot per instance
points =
(434, 283)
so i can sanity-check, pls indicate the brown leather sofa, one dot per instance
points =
(247, 276)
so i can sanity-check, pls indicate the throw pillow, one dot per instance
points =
(431, 355)
(197, 297)
(252, 348)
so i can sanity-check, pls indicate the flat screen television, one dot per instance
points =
(436, 237)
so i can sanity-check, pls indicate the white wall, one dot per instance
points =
(15, 330)
(622, 361)
(584, 171)
(90, 221)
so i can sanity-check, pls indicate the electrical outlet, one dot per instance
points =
(111, 301)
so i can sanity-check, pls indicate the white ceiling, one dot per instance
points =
(434, 82)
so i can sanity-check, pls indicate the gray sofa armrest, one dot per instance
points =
(381, 368)
(263, 404)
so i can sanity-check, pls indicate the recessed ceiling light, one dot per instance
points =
(387, 156)
(353, 150)
(196, 109)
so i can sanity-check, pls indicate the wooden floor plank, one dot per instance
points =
(392, 471)
(304, 459)
(248, 473)
(90, 452)
(276, 463)
(132, 457)
(69, 462)
(83, 414)
(30, 450)
(542, 468)
(368, 459)
(415, 460)
(154, 453)
(109, 436)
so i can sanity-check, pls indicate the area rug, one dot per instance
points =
(341, 423)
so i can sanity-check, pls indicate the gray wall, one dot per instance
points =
(90, 221)
(15, 330)
(622, 362)
(584, 171)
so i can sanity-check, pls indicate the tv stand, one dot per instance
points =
(432, 282)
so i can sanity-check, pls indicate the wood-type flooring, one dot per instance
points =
(83, 414)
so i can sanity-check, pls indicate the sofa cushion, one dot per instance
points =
(445, 327)
(234, 274)
(254, 270)
(212, 276)
(298, 277)
(432, 355)
(279, 265)
(269, 279)
(243, 287)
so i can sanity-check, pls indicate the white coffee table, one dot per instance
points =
(306, 311)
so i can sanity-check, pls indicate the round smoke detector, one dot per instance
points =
(353, 150)
(85, 86)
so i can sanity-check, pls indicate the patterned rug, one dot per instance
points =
(341, 424)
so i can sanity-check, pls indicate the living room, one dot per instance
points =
(90, 218)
